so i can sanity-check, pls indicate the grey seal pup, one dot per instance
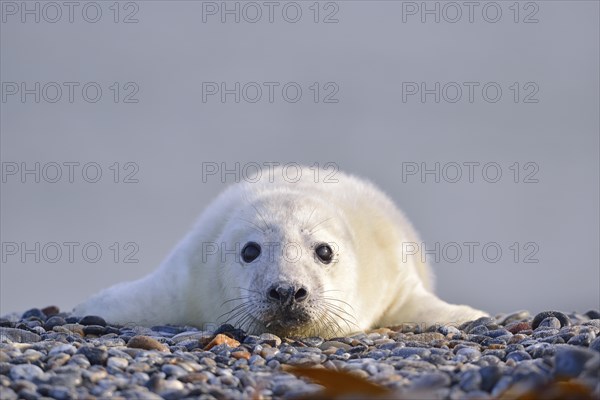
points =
(295, 257)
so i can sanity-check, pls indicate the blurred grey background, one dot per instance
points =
(151, 58)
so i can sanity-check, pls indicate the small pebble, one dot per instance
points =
(549, 323)
(334, 344)
(73, 329)
(18, 336)
(117, 362)
(54, 321)
(583, 339)
(562, 318)
(515, 317)
(220, 339)
(173, 370)
(25, 371)
(269, 338)
(431, 380)
(470, 380)
(94, 355)
(593, 314)
(468, 354)
(34, 312)
(63, 348)
(92, 320)
(146, 343)
(570, 360)
(490, 374)
(595, 345)
(97, 330)
(50, 311)
(518, 355)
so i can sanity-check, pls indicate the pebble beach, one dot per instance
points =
(45, 353)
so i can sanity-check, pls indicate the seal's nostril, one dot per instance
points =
(286, 294)
(301, 295)
(274, 295)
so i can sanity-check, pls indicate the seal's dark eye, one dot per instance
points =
(250, 252)
(324, 253)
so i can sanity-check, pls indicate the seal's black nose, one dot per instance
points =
(287, 294)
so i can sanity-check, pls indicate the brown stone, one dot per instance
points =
(222, 339)
(517, 327)
(329, 351)
(50, 311)
(427, 337)
(238, 354)
(194, 377)
(517, 338)
(69, 329)
(146, 343)
(381, 331)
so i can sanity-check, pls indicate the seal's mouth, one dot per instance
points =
(287, 320)
(303, 316)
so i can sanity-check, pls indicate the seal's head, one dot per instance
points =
(284, 258)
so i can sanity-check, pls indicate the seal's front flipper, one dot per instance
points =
(133, 303)
(425, 308)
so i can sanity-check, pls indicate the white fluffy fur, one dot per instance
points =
(368, 282)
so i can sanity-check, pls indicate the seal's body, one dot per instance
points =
(293, 258)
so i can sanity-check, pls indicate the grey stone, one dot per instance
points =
(518, 355)
(313, 341)
(80, 360)
(270, 338)
(583, 339)
(192, 335)
(515, 317)
(7, 393)
(501, 354)
(34, 312)
(18, 336)
(54, 321)
(449, 331)
(549, 322)
(470, 380)
(117, 362)
(67, 379)
(411, 351)
(173, 370)
(489, 376)
(478, 322)
(62, 393)
(563, 319)
(540, 350)
(496, 333)
(431, 380)
(94, 355)
(97, 330)
(468, 354)
(336, 344)
(92, 320)
(514, 347)
(21, 384)
(25, 394)
(595, 344)
(570, 360)
(63, 348)
(25, 371)
(479, 330)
